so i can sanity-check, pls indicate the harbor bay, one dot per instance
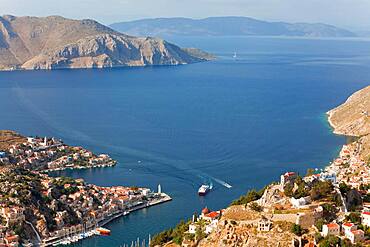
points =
(240, 121)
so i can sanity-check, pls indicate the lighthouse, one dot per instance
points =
(159, 189)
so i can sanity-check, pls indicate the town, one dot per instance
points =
(326, 207)
(39, 210)
(48, 154)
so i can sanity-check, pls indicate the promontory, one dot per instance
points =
(55, 42)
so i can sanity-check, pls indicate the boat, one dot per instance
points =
(235, 56)
(103, 231)
(203, 190)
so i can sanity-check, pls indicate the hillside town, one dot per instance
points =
(326, 207)
(48, 154)
(39, 210)
(329, 207)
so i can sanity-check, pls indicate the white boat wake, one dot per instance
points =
(179, 165)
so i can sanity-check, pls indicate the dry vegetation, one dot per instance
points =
(9, 138)
(353, 119)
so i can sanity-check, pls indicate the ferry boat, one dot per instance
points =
(203, 190)
(103, 231)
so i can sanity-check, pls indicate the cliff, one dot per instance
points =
(228, 25)
(55, 42)
(352, 119)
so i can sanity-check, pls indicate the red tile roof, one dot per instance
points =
(213, 215)
(348, 224)
(358, 232)
(332, 225)
(366, 213)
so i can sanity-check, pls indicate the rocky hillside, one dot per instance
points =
(352, 118)
(56, 42)
(228, 25)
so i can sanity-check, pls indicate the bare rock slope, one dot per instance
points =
(352, 118)
(55, 42)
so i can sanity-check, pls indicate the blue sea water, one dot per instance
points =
(240, 121)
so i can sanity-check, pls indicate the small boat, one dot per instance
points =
(235, 56)
(203, 190)
(103, 231)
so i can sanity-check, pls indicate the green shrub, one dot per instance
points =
(251, 196)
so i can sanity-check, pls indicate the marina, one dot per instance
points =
(99, 230)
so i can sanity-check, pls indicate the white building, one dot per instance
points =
(356, 236)
(365, 216)
(347, 228)
(297, 203)
(264, 225)
(287, 177)
(192, 228)
(330, 229)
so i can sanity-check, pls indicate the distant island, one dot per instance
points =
(228, 26)
(55, 42)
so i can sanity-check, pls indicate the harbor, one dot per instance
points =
(98, 229)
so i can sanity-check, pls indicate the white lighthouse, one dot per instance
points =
(159, 189)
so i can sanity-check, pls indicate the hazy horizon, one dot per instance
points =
(348, 14)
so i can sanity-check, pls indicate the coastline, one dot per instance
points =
(348, 167)
(77, 210)
(80, 236)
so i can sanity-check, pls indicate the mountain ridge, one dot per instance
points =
(227, 25)
(55, 42)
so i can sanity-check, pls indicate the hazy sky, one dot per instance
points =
(344, 13)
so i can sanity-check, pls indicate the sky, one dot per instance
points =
(354, 14)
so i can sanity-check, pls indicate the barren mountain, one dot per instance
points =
(353, 119)
(56, 42)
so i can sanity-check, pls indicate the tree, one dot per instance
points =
(297, 230)
(321, 189)
(329, 212)
(310, 172)
(330, 241)
(354, 199)
(344, 188)
(254, 206)
(251, 196)
(288, 190)
(354, 218)
(337, 200)
(319, 224)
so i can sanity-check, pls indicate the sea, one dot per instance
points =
(239, 120)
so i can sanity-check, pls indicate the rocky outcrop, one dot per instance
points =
(55, 42)
(352, 118)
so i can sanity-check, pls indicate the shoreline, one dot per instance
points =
(66, 241)
(80, 167)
